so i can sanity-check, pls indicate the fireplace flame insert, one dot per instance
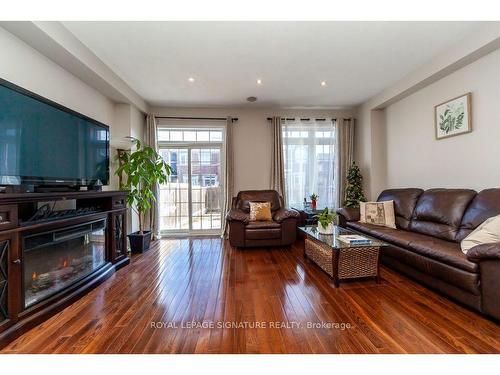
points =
(54, 260)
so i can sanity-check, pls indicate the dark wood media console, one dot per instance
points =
(47, 264)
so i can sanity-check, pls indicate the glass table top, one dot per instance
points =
(333, 241)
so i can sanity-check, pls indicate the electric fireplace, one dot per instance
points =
(57, 259)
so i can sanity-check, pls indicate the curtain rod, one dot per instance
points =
(302, 119)
(197, 118)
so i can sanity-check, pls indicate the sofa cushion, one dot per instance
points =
(485, 204)
(488, 232)
(439, 212)
(244, 198)
(404, 203)
(262, 234)
(263, 225)
(443, 251)
(378, 213)
(396, 236)
(260, 211)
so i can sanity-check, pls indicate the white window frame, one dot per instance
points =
(189, 145)
(310, 141)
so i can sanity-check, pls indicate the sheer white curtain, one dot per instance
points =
(309, 149)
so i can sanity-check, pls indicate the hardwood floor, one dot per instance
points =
(206, 281)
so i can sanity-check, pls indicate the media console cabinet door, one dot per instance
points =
(118, 236)
(4, 280)
(10, 269)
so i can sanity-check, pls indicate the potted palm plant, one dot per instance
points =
(144, 168)
(325, 221)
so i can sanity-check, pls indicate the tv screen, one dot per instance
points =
(43, 143)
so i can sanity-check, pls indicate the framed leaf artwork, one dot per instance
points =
(453, 117)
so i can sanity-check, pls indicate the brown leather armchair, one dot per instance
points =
(281, 231)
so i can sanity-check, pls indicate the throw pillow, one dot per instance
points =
(487, 232)
(260, 211)
(378, 213)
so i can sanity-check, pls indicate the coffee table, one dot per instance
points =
(341, 260)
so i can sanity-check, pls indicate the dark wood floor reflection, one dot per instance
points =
(148, 307)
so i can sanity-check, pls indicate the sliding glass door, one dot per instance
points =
(174, 196)
(191, 202)
(206, 191)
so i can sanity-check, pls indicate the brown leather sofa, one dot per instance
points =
(426, 244)
(281, 231)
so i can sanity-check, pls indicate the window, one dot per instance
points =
(191, 135)
(309, 162)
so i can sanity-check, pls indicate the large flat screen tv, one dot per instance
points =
(44, 143)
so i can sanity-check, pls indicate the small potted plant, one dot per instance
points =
(144, 168)
(314, 198)
(325, 221)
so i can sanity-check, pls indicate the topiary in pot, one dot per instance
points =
(354, 190)
(144, 168)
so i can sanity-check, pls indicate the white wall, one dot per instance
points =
(416, 158)
(137, 123)
(252, 138)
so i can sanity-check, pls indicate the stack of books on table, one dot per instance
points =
(354, 239)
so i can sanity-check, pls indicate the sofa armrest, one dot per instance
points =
(349, 213)
(487, 251)
(488, 258)
(284, 213)
(238, 215)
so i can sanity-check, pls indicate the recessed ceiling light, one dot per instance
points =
(191, 79)
(323, 83)
(259, 81)
(251, 99)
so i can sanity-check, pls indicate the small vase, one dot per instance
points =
(313, 205)
(328, 230)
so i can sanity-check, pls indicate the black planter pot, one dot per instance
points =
(139, 242)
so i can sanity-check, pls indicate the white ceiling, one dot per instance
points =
(356, 59)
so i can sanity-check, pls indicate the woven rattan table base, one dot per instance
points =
(345, 263)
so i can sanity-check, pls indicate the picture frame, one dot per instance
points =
(453, 117)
